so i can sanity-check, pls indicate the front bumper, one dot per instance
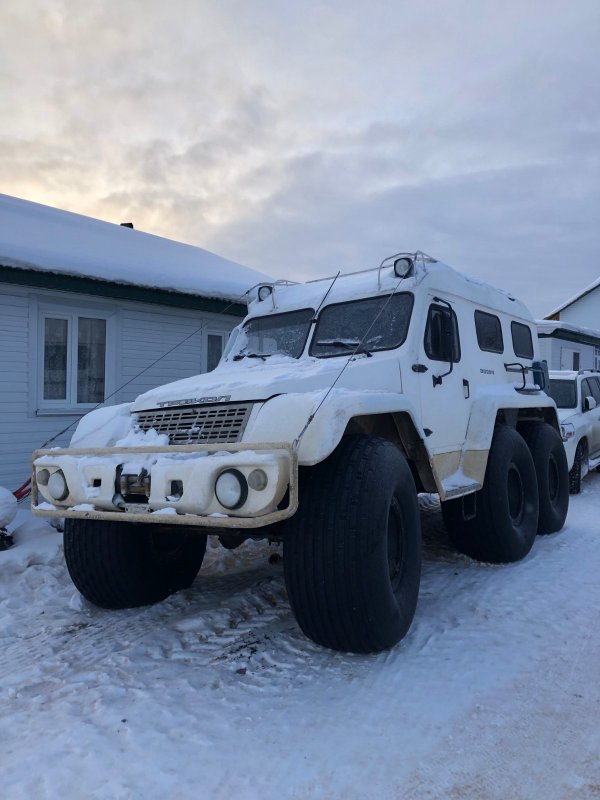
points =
(92, 479)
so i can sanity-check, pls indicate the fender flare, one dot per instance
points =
(283, 418)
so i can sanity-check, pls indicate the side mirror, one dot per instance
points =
(589, 403)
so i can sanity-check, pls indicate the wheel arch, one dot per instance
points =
(399, 428)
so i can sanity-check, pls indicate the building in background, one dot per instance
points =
(566, 346)
(570, 335)
(88, 311)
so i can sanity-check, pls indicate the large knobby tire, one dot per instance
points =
(352, 551)
(123, 565)
(552, 472)
(504, 513)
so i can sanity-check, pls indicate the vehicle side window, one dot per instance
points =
(442, 342)
(595, 387)
(522, 341)
(489, 332)
(585, 392)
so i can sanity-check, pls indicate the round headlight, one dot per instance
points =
(264, 292)
(57, 485)
(231, 489)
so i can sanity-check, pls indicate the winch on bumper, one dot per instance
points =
(225, 485)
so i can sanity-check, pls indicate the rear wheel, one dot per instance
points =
(123, 565)
(499, 524)
(552, 472)
(352, 551)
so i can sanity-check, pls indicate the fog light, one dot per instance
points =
(231, 489)
(57, 485)
(42, 477)
(257, 479)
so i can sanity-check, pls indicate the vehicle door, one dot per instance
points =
(594, 414)
(443, 383)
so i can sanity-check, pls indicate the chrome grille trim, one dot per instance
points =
(198, 424)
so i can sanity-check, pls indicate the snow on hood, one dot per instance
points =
(253, 379)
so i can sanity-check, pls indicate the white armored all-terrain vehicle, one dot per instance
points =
(335, 403)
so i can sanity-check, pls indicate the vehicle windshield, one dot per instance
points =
(382, 322)
(564, 393)
(283, 334)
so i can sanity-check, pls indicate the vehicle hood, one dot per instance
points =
(254, 379)
(567, 414)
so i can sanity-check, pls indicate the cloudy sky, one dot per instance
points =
(305, 137)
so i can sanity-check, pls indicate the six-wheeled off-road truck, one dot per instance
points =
(335, 403)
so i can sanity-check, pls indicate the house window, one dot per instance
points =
(597, 358)
(73, 352)
(214, 349)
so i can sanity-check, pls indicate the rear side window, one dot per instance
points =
(489, 332)
(441, 335)
(522, 341)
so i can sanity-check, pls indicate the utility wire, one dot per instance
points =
(23, 490)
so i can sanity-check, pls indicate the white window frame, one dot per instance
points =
(224, 334)
(72, 315)
(596, 357)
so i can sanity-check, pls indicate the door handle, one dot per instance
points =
(419, 368)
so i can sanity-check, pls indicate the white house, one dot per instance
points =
(566, 346)
(91, 311)
(570, 335)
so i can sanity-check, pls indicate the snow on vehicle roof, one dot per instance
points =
(34, 236)
(563, 374)
(372, 282)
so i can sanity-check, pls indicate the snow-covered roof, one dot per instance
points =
(34, 236)
(289, 296)
(548, 327)
(576, 297)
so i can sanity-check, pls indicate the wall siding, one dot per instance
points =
(584, 312)
(144, 333)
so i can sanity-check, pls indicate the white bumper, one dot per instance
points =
(92, 478)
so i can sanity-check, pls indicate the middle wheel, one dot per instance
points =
(352, 551)
(505, 521)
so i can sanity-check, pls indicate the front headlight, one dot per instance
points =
(57, 485)
(231, 489)
(567, 431)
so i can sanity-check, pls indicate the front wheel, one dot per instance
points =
(352, 551)
(123, 565)
(578, 470)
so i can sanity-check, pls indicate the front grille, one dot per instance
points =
(198, 424)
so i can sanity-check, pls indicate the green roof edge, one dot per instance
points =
(119, 291)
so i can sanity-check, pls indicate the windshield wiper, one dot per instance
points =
(349, 344)
(239, 356)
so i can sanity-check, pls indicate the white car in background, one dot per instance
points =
(577, 396)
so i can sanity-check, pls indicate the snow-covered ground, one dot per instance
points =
(215, 693)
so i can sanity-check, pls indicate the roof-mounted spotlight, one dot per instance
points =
(264, 292)
(403, 267)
